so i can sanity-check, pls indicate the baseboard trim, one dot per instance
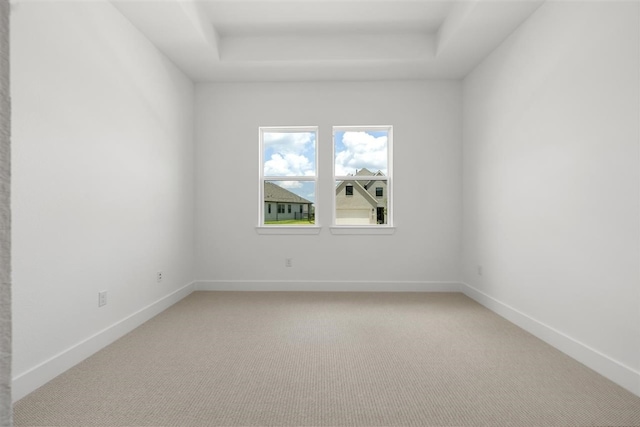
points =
(617, 372)
(325, 286)
(28, 381)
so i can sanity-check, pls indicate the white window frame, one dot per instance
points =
(261, 228)
(387, 228)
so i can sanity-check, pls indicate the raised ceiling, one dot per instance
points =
(301, 40)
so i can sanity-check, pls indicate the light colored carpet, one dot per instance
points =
(328, 359)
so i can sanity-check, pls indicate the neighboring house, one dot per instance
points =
(281, 204)
(362, 202)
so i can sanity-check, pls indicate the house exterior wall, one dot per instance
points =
(382, 201)
(356, 209)
(355, 216)
(372, 190)
(275, 216)
(360, 209)
(357, 201)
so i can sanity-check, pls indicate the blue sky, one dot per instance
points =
(360, 149)
(294, 154)
(291, 154)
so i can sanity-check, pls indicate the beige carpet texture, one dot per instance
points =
(328, 359)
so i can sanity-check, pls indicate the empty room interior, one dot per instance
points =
(340, 212)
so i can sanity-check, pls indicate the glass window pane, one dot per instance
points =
(361, 152)
(294, 200)
(362, 206)
(289, 153)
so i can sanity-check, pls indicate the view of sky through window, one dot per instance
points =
(289, 176)
(355, 150)
(291, 154)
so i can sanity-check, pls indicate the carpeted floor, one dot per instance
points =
(328, 359)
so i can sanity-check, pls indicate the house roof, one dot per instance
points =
(360, 189)
(277, 194)
(367, 172)
(364, 172)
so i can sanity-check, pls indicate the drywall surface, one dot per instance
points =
(5, 221)
(103, 175)
(551, 176)
(426, 120)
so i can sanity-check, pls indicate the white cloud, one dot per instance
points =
(304, 189)
(290, 184)
(289, 165)
(289, 142)
(361, 150)
(289, 154)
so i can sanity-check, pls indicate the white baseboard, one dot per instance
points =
(325, 286)
(30, 380)
(606, 366)
(622, 375)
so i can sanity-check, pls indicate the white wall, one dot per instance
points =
(551, 182)
(427, 141)
(103, 183)
(6, 416)
(103, 189)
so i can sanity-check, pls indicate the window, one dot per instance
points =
(362, 180)
(362, 170)
(288, 176)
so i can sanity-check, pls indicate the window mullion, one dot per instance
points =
(290, 178)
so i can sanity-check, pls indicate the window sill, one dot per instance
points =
(363, 230)
(276, 229)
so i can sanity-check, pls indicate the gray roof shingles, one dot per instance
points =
(276, 194)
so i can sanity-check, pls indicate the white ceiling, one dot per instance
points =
(298, 40)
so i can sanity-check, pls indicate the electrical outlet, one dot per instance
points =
(159, 276)
(102, 298)
(479, 269)
(288, 262)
